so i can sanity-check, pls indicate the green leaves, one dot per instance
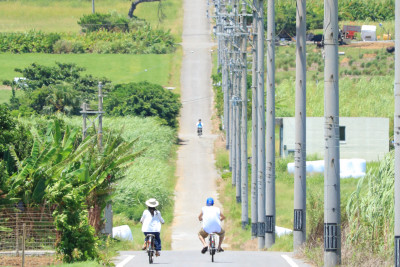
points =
(144, 99)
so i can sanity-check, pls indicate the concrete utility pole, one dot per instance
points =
(230, 86)
(397, 136)
(261, 126)
(332, 246)
(254, 127)
(108, 213)
(93, 7)
(299, 222)
(270, 127)
(243, 142)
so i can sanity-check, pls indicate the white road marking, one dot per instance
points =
(289, 260)
(127, 259)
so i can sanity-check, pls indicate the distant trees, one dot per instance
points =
(144, 99)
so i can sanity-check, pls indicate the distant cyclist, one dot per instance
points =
(152, 220)
(211, 217)
(199, 126)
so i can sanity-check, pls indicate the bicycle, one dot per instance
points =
(211, 246)
(150, 248)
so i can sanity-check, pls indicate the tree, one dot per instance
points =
(134, 4)
(144, 99)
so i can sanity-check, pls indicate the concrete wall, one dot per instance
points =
(366, 138)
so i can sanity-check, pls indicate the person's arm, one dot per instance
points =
(201, 216)
(143, 217)
(222, 217)
(159, 217)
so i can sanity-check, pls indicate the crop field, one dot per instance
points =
(62, 16)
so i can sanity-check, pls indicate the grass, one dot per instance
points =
(119, 68)
(5, 94)
(151, 175)
(80, 264)
(239, 238)
(62, 16)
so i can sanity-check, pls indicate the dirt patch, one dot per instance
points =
(5, 87)
(29, 261)
(369, 55)
(371, 45)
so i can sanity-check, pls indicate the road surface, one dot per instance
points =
(195, 258)
(195, 165)
(196, 170)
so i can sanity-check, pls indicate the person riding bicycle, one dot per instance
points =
(211, 217)
(152, 220)
(199, 126)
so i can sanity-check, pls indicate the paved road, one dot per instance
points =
(195, 165)
(195, 258)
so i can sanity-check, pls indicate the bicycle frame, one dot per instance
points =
(150, 247)
(211, 246)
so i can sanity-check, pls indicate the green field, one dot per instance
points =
(62, 16)
(119, 68)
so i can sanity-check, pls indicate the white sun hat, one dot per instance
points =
(152, 203)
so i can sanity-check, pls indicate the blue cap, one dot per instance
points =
(210, 201)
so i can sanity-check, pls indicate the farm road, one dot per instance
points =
(195, 166)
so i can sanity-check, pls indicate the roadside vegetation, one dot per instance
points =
(366, 73)
(61, 52)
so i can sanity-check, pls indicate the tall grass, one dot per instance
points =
(152, 174)
(370, 211)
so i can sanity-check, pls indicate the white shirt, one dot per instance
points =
(211, 219)
(151, 223)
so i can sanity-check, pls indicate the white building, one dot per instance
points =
(360, 137)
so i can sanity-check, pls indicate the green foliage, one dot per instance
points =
(349, 10)
(109, 22)
(153, 173)
(28, 42)
(59, 89)
(12, 133)
(370, 210)
(144, 99)
(141, 39)
(7, 125)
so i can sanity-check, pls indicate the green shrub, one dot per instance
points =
(144, 99)
(99, 21)
(28, 42)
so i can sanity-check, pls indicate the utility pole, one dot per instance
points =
(93, 7)
(332, 239)
(108, 213)
(299, 222)
(270, 128)
(254, 127)
(261, 125)
(397, 136)
(243, 142)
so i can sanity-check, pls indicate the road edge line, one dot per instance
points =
(125, 261)
(289, 260)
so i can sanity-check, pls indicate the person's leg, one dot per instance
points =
(157, 243)
(202, 236)
(221, 239)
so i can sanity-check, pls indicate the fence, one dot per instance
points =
(39, 231)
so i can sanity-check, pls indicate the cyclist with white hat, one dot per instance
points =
(152, 220)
